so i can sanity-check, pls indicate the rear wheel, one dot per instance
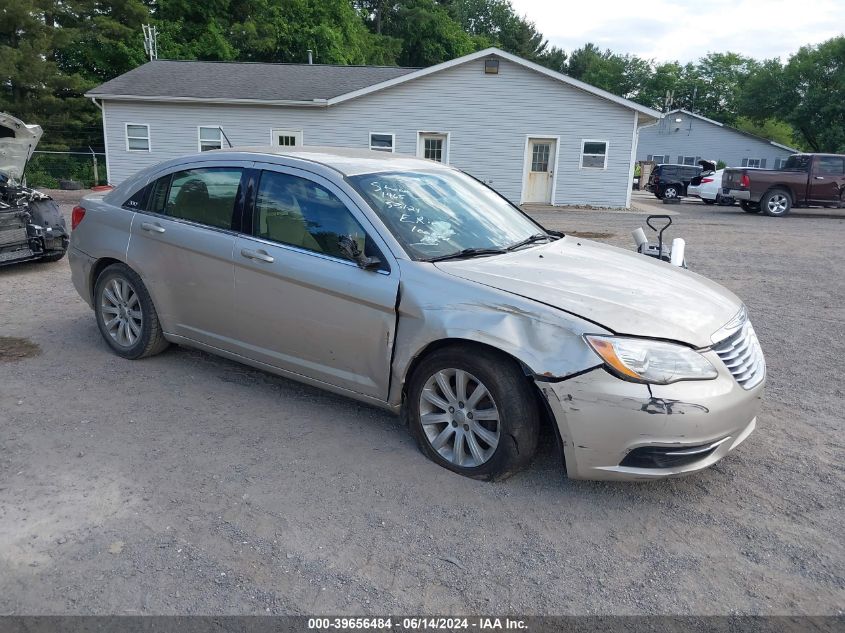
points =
(749, 207)
(125, 313)
(472, 410)
(670, 191)
(776, 203)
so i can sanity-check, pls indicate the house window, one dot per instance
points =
(593, 154)
(657, 158)
(779, 162)
(210, 138)
(433, 146)
(540, 156)
(491, 66)
(137, 137)
(754, 162)
(688, 160)
(381, 142)
(286, 138)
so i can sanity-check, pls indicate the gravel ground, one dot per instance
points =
(189, 484)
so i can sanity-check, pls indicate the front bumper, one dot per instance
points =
(603, 421)
(736, 194)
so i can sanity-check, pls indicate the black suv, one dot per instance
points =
(671, 181)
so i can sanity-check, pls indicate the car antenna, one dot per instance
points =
(224, 136)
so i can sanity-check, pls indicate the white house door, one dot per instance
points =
(286, 138)
(540, 169)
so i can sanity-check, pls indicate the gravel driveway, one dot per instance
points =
(189, 484)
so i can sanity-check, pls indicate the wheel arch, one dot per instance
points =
(547, 420)
(97, 269)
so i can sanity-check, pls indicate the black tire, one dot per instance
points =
(749, 207)
(53, 256)
(518, 422)
(670, 191)
(706, 201)
(151, 340)
(776, 203)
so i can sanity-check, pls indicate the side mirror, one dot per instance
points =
(349, 247)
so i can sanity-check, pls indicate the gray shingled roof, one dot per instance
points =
(231, 80)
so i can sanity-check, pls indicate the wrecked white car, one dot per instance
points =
(31, 225)
(412, 286)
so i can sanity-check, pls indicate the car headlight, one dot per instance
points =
(643, 360)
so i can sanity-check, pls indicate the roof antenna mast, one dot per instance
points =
(150, 41)
(310, 57)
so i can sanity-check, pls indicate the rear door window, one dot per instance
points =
(206, 196)
(830, 166)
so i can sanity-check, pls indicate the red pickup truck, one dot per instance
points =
(804, 180)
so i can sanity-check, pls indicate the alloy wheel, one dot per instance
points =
(459, 418)
(120, 309)
(777, 204)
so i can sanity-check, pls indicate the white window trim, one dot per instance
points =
(421, 144)
(757, 166)
(392, 141)
(584, 141)
(208, 127)
(526, 164)
(149, 137)
(694, 162)
(275, 131)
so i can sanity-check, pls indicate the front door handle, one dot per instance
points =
(262, 256)
(819, 177)
(152, 227)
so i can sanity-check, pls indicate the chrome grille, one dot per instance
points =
(743, 356)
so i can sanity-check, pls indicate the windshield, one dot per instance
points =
(436, 214)
(797, 162)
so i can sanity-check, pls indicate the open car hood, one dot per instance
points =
(623, 291)
(17, 142)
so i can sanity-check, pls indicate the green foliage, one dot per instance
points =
(52, 52)
(772, 129)
(720, 164)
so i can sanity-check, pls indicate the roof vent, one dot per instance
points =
(491, 66)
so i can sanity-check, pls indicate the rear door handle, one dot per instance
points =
(262, 256)
(152, 227)
(819, 177)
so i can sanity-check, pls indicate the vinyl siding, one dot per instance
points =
(701, 138)
(488, 118)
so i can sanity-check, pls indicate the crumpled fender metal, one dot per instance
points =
(434, 305)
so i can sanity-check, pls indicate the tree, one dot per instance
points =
(718, 85)
(428, 34)
(808, 93)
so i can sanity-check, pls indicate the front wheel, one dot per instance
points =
(125, 313)
(749, 207)
(472, 410)
(776, 203)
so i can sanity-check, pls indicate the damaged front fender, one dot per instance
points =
(435, 306)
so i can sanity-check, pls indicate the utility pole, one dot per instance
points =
(150, 41)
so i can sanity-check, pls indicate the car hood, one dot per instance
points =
(623, 291)
(17, 142)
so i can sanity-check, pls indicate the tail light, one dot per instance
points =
(76, 217)
(745, 181)
(703, 180)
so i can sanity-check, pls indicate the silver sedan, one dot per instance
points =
(410, 285)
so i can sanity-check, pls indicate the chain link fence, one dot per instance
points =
(66, 170)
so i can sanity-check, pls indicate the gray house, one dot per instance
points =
(535, 135)
(685, 138)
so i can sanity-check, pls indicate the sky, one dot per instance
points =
(684, 30)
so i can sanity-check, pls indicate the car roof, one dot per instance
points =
(346, 160)
(678, 165)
